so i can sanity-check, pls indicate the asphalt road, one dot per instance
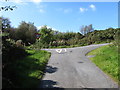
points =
(70, 68)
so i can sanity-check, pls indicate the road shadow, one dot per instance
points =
(48, 84)
(80, 62)
(62, 53)
(50, 69)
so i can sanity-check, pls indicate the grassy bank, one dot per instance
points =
(106, 58)
(71, 46)
(29, 70)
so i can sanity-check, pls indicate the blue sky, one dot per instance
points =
(64, 16)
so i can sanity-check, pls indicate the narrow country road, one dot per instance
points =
(70, 68)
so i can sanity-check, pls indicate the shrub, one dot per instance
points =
(117, 38)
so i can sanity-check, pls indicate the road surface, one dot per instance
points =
(70, 68)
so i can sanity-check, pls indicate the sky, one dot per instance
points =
(64, 16)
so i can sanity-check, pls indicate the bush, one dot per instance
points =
(117, 38)
(10, 53)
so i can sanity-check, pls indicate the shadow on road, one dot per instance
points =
(62, 53)
(50, 69)
(48, 84)
(80, 62)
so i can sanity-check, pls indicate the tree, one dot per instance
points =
(90, 28)
(26, 32)
(46, 35)
(10, 53)
(78, 35)
(117, 38)
(82, 29)
(5, 24)
(86, 29)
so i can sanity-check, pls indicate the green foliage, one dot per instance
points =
(10, 53)
(106, 58)
(46, 36)
(5, 22)
(99, 36)
(49, 38)
(9, 49)
(4, 34)
(64, 39)
(117, 38)
(27, 72)
(26, 32)
(37, 45)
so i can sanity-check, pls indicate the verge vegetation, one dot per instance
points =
(26, 72)
(106, 58)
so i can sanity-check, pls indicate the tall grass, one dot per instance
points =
(28, 71)
(106, 58)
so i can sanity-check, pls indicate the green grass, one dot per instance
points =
(106, 58)
(30, 69)
(64, 46)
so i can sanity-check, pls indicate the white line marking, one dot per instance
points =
(65, 50)
(59, 50)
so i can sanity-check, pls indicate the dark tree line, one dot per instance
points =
(25, 31)
(12, 47)
(50, 38)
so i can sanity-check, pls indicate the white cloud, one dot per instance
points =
(17, 1)
(39, 27)
(25, 1)
(93, 7)
(67, 10)
(42, 11)
(64, 10)
(83, 9)
(36, 1)
(41, 7)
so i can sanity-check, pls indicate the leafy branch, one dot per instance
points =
(6, 8)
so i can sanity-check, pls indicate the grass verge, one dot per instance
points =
(30, 69)
(71, 46)
(106, 58)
